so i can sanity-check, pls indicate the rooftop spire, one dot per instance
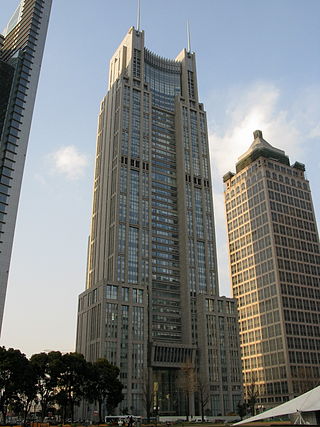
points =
(139, 16)
(189, 38)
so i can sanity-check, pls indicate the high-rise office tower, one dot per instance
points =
(21, 50)
(275, 271)
(151, 304)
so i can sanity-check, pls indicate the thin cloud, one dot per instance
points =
(69, 162)
(253, 107)
(40, 179)
(315, 132)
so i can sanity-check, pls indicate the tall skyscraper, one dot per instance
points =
(275, 271)
(151, 304)
(21, 50)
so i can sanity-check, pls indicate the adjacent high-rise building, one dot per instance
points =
(21, 50)
(151, 304)
(275, 270)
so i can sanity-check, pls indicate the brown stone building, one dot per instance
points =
(275, 272)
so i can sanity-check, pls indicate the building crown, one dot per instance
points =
(260, 147)
(258, 144)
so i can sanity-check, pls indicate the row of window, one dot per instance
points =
(301, 291)
(301, 357)
(277, 372)
(289, 200)
(117, 321)
(294, 232)
(258, 321)
(305, 344)
(290, 190)
(292, 221)
(264, 285)
(257, 347)
(302, 279)
(301, 304)
(253, 260)
(116, 293)
(288, 171)
(300, 267)
(302, 317)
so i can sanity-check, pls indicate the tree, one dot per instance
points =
(188, 384)
(47, 367)
(71, 383)
(13, 365)
(26, 393)
(104, 386)
(242, 409)
(148, 393)
(252, 395)
(203, 390)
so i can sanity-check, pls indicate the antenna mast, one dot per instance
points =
(139, 16)
(189, 38)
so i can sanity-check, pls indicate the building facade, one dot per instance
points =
(21, 50)
(151, 304)
(275, 272)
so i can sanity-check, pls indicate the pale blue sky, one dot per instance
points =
(258, 68)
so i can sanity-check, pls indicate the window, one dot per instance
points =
(112, 292)
(112, 320)
(134, 197)
(191, 84)
(137, 296)
(136, 63)
(133, 255)
(125, 294)
(137, 323)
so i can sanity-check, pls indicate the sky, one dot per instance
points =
(258, 67)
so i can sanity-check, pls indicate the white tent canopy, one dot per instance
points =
(307, 402)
